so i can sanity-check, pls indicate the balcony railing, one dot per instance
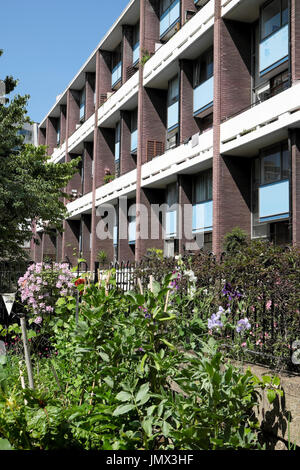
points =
(134, 140)
(274, 201)
(204, 95)
(171, 224)
(203, 217)
(274, 50)
(169, 17)
(173, 115)
(136, 53)
(116, 74)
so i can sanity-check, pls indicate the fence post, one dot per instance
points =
(27, 352)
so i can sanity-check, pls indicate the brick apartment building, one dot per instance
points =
(187, 102)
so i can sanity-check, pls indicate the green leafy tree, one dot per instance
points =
(30, 185)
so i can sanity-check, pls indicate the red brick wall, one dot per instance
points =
(235, 67)
(88, 163)
(63, 116)
(105, 153)
(295, 140)
(187, 5)
(127, 54)
(89, 94)
(73, 110)
(71, 240)
(151, 35)
(42, 136)
(295, 39)
(51, 134)
(104, 72)
(185, 196)
(127, 161)
(154, 117)
(49, 246)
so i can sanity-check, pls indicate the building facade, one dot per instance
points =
(187, 119)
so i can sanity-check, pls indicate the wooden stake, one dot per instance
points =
(27, 353)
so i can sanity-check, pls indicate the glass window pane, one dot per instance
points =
(117, 135)
(209, 185)
(173, 91)
(285, 163)
(271, 168)
(285, 12)
(271, 18)
(172, 194)
(200, 189)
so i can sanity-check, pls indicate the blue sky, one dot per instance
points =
(46, 43)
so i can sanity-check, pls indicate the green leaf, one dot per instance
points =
(168, 344)
(147, 426)
(143, 362)
(122, 409)
(143, 392)
(271, 394)
(124, 396)
(3, 360)
(5, 445)
(104, 356)
(276, 381)
(109, 381)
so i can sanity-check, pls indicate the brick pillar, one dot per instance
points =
(104, 73)
(72, 110)
(185, 198)
(187, 5)
(86, 231)
(295, 141)
(295, 40)
(49, 246)
(59, 239)
(51, 134)
(89, 94)
(75, 182)
(126, 252)
(151, 25)
(232, 93)
(188, 124)
(72, 228)
(105, 153)
(42, 136)
(63, 119)
(127, 161)
(88, 164)
(154, 118)
(235, 63)
(127, 54)
(149, 197)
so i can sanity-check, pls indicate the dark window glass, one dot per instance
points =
(271, 18)
(271, 167)
(203, 187)
(203, 68)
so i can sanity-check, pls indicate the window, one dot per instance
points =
(169, 15)
(203, 187)
(274, 16)
(58, 132)
(134, 133)
(173, 105)
(204, 68)
(116, 66)
(275, 164)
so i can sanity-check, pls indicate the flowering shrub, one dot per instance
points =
(42, 285)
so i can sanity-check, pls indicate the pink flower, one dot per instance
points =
(269, 304)
(38, 320)
(244, 345)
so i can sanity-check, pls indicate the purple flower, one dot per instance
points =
(214, 321)
(38, 320)
(243, 325)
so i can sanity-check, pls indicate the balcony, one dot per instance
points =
(274, 50)
(169, 18)
(203, 96)
(274, 201)
(173, 115)
(134, 141)
(116, 74)
(203, 217)
(135, 53)
(171, 224)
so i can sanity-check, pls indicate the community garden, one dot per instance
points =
(159, 367)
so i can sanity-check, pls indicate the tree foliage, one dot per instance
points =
(30, 185)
